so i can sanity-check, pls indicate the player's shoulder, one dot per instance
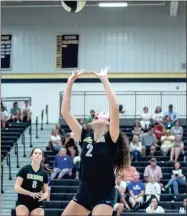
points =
(26, 167)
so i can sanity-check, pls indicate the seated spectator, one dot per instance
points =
(60, 131)
(167, 142)
(26, 112)
(177, 178)
(91, 116)
(82, 122)
(149, 142)
(56, 140)
(69, 144)
(154, 207)
(137, 130)
(153, 170)
(62, 165)
(157, 115)
(15, 112)
(183, 210)
(177, 148)
(127, 174)
(135, 148)
(4, 117)
(121, 185)
(120, 203)
(145, 118)
(168, 124)
(159, 130)
(45, 163)
(172, 114)
(152, 189)
(136, 191)
(177, 129)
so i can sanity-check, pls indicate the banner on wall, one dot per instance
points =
(67, 48)
(6, 46)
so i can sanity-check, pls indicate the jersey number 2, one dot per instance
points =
(34, 184)
(90, 148)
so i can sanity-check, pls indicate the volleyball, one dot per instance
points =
(73, 6)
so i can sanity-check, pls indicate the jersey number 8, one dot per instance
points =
(90, 148)
(34, 184)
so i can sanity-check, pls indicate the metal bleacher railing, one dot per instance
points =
(133, 102)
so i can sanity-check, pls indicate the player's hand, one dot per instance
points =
(103, 73)
(76, 74)
(36, 195)
(43, 197)
(70, 173)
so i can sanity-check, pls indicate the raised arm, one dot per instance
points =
(113, 104)
(72, 122)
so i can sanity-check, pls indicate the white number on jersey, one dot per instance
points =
(34, 184)
(90, 148)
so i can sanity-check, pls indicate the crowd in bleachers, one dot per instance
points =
(135, 190)
(15, 114)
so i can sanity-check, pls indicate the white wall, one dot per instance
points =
(43, 94)
(134, 39)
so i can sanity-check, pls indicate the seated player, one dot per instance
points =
(32, 187)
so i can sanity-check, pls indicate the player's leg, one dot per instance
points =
(102, 209)
(37, 212)
(74, 208)
(22, 210)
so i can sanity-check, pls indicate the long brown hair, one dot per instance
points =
(41, 163)
(123, 156)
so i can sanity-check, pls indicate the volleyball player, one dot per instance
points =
(102, 151)
(32, 187)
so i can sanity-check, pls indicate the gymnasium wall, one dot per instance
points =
(134, 39)
(48, 93)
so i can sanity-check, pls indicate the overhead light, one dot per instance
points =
(113, 4)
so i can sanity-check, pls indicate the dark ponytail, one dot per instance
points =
(123, 156)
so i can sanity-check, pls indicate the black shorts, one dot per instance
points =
(89, 196)
(31, 205)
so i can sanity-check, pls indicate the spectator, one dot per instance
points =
(159, 130)
(61, 132)
(89, 128)
(177, 148)
(168, 124)
(136, 148)
(69, 144)
(137, 130)
(4, 117)
(177, 129)
(177, 179)
(157, 115)
(63, 164)
(91, 116)
(153, 170)
(136, 191)
(172, 114)
(127, 174)
(183, 210)
(167, 142)
(149, 142)
(15, 112)
(82, 123)
(145, 118)
(26, 112)
(152, 189)
(56, 140)
(120, 203)
(154, 207)
(121, 185)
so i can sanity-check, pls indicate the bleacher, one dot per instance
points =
(62, 191)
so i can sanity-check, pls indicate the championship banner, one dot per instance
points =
(67, 48)
(6, 45)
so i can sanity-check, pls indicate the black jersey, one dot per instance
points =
(98, 159)
(32, 181)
